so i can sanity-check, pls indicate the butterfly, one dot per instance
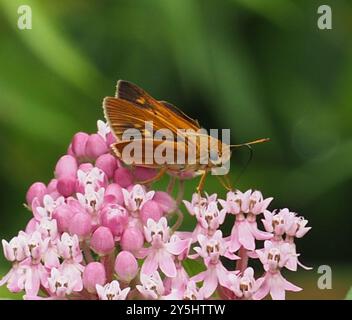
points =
(133, 110)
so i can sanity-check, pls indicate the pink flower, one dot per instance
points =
(107, 163)
(33, 275)
(126, 266)
(192, 292)
(113, 193)
(104, 130)
(123, 177)
(245, 206)
(102, 241)
(210, 218)
(151, 286)
(244, 286)
(46, 210)
(175, 287)
(211, 249)
(162, 251)
(91, 200)
(132, 239)
(94, 274)
(295, 226)
(63, 215)
(79, 143)
(275, 222)
(95, 146)
(94, 177)
(273, 259)
(36, 190)
(14, 278)
(68, 248)
(165, 201)
(65, 173)
(81, 225)
(198, 202)
(14, 250)
(276, 285)
(48, 229)
(150, 210)
(62, 283)
(112, 291)
(136, 198)
(35, 247)
(114, 217)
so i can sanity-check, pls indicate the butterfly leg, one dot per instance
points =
(181, 191)
(155, 178)
(225, 182)
(171, 185)
(201, 182)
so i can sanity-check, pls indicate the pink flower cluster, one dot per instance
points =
(95, 233)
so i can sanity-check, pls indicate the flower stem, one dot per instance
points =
(242, 264)
(87, 254)
(108, 262)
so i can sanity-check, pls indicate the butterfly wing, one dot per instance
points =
(174, 117)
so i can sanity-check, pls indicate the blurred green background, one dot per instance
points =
(260, 68)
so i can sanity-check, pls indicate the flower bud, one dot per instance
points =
(107, 163)
(31, 226)
(151, 210)
(79, 142)
(165, 201)
(66, 167)
(102, 241)
(69, 150)
(63, 215)
(114, 217)
(93, 274)
(123, 177)
(52, 186)
(132, 239)
(81, 224)
(36, 190)
(95, 146)
(126, 266)
(66, 186)
(115, 191)
(85, 167)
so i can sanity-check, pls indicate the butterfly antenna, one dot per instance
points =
(244, 168)
(248, 145)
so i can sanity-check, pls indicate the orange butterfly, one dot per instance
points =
(133, 109)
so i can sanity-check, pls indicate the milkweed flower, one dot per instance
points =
(112, 291)
(211, 249)
(95, 232)
(274, 259)
(245, 206)
(162, 251)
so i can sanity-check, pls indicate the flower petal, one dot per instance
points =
(167, 264)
